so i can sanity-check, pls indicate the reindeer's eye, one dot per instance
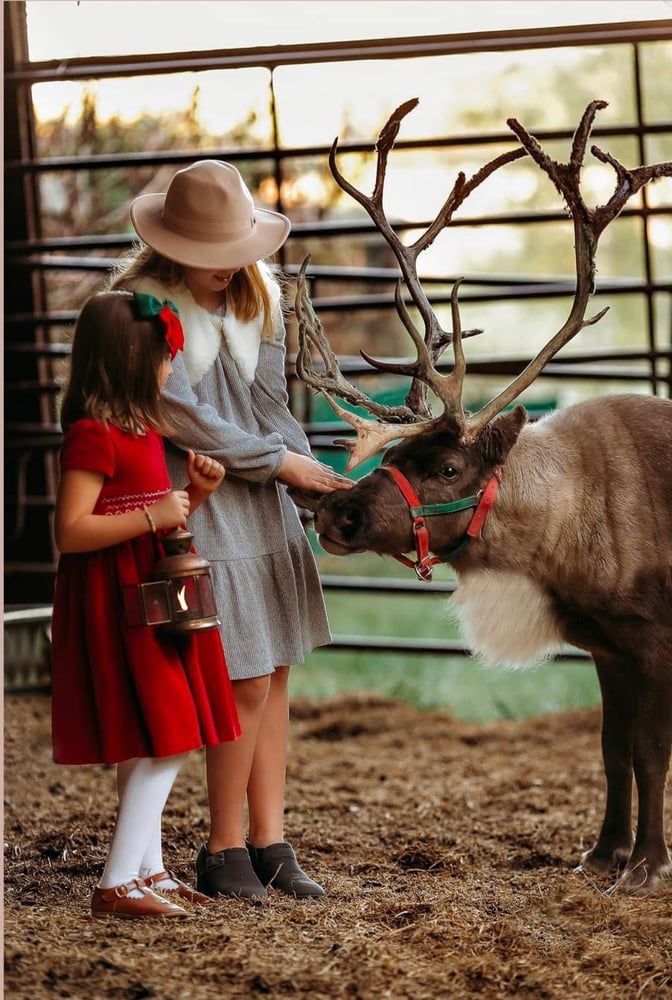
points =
(450, 472)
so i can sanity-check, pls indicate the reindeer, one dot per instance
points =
(560, 531)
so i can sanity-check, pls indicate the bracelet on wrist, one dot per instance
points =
(150, 520)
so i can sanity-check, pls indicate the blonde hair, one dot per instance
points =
(247, 297)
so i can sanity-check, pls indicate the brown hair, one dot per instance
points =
(246, 297)
(114, 367)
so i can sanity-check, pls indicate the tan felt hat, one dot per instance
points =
(207, 219)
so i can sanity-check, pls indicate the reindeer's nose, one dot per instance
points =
(344, 518)
(349, 520)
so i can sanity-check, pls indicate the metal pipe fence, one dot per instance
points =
(35, 340)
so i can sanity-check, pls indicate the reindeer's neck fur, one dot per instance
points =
(506, 619)
(576, 525)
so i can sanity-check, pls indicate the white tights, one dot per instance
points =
(143, 786)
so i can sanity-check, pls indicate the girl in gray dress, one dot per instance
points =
(203, 248)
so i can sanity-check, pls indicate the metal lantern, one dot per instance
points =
(179, 597)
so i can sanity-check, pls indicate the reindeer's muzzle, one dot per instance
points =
(338, 523)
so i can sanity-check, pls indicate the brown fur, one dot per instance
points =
(582, 527)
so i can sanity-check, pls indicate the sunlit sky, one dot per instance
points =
(107, 27)
(103, 27)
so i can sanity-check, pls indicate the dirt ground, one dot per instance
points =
(447, 850)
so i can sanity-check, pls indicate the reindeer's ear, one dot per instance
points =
(500, 436)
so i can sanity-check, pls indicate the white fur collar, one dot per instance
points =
(202, 335)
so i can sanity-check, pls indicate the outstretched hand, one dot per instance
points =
(309, 474)
(205, 473)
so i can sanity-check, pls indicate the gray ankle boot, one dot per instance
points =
(276, 866)
(227, 873)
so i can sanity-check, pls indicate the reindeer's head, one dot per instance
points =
(379, 515)
(448, 460)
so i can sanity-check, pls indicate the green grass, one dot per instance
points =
(457, 684)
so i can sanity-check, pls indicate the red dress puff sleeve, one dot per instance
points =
(87, 446)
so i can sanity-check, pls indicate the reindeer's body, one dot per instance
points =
(578, 546)
(584, 516)
(577, 549)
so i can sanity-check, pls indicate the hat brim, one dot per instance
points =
(270, 232)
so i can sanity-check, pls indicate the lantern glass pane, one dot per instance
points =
(207, 596)
(156, 603)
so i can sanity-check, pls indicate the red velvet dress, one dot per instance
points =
(121, 691)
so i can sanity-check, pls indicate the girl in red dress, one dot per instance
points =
(123, 694)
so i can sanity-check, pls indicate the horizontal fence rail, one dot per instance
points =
(96, 67)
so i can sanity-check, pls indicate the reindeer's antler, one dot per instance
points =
(415, 416)
(393, 423)
(435, 337)
(371, 435)
(588, 226)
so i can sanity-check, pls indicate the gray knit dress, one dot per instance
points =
(227, 397)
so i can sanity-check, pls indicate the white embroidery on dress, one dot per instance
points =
(129, 501)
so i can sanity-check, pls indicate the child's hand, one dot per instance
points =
(172, 510)
(205, 473)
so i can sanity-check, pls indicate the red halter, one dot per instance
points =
(482, 504)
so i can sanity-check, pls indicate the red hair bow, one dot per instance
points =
(149, 307)
(174, 333)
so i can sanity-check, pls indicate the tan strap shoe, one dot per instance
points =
(116, 902)
(182, 890)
